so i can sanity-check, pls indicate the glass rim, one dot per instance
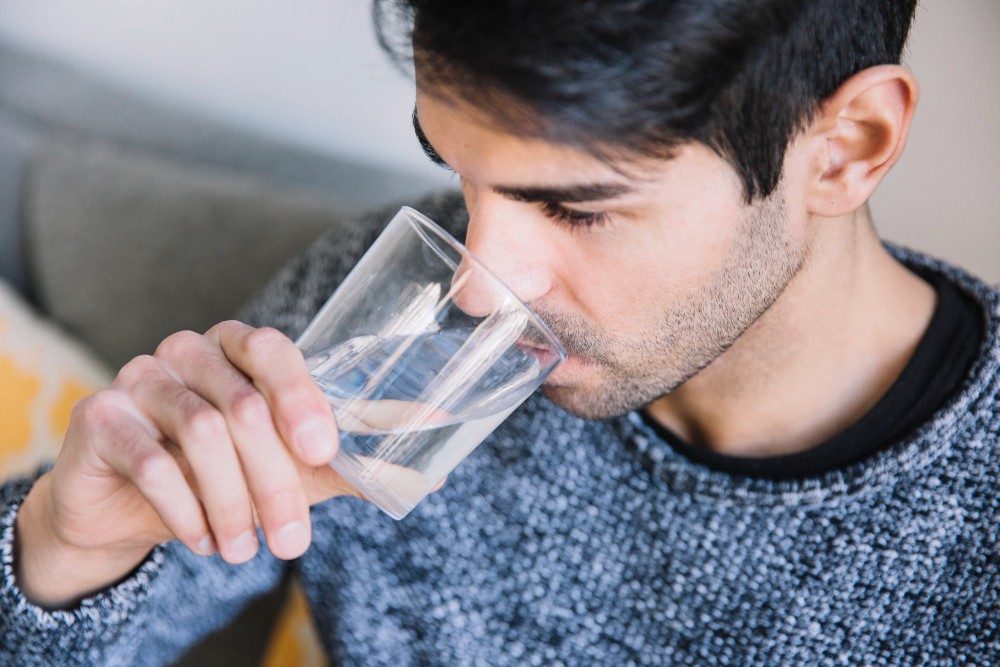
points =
(458, 246)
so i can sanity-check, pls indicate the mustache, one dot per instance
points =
(579, 337)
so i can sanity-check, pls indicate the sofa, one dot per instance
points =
(111, 203)
(123, 220)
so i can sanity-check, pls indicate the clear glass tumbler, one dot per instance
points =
(421, 353)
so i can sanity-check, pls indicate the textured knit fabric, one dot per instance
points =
(562, 541)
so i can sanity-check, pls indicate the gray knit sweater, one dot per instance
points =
(569, 542)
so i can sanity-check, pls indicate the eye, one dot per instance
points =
(572, 217)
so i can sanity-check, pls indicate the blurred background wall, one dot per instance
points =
(309, 72)
(305, 71)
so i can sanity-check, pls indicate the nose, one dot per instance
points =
(504, 236)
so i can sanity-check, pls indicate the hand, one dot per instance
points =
(189, 444)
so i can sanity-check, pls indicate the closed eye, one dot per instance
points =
(572, 217)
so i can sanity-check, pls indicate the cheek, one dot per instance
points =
(632, 281)
(618, 286)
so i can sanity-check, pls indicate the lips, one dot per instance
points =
(545, 355)
(568, 372)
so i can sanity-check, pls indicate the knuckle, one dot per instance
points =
(249, 406)
(138, 370)
(305, 398)
(99, 409)
(230, 515)
(177, 344)
(203, 424)
(262, 341)
(225, 325)
(286, 500)
(150, 467)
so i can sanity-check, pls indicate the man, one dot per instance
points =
(775, 440)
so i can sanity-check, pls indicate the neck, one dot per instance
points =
(825, 352)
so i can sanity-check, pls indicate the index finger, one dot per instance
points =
(275, 365)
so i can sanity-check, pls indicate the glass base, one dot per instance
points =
(393, 489)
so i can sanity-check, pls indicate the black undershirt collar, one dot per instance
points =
(934, 373)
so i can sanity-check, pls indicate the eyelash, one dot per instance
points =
(573, 218)
(555, 211)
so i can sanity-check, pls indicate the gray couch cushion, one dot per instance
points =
(44, 102)
(58, 99)
(16, 141)
(124, 249)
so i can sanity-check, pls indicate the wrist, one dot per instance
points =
(54, 573)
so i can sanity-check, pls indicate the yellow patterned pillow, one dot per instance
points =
(43, 372)
(294, 642)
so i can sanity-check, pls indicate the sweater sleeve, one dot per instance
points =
(173, 599)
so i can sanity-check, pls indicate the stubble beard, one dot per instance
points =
(637, 368)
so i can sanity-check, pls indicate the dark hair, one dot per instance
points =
(641, 77)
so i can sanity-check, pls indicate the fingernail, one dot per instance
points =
(206, 546)
(292, 538)
(313, 440)
(243, 547)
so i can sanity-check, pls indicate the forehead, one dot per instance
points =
(474, 142)
(532, 169)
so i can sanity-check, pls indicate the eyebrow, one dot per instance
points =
(569, 194)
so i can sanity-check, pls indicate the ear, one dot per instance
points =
(857, 135)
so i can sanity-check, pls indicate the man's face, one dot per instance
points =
(647, 271)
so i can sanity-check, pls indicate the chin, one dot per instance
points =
(562, 396)
(579, 402)
(575, 386)
(584, 391)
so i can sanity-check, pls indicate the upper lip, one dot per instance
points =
(543, 348)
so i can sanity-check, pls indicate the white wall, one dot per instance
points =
(944, 195)
(309, 71)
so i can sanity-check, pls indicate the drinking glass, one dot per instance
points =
(421, 353)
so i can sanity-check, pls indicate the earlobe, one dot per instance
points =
(858, 135)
